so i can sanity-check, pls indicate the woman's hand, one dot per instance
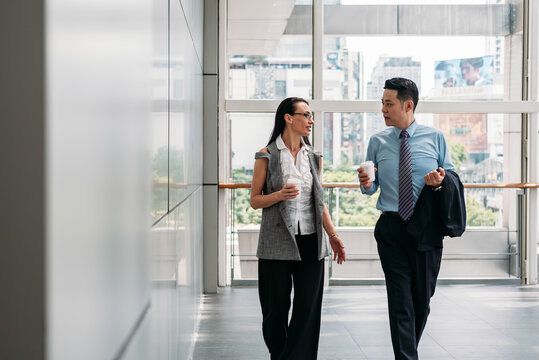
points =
(338, 249)
(289, 191)
(261, 201)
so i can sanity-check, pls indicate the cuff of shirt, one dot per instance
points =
(368, 191)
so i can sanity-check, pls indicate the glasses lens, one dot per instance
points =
(306, 115)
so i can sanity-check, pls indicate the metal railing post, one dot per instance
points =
(232, 231)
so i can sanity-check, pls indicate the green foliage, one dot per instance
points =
(458, 154)
(240, 175)
(243, 212)
(355, 209)
(342, 173)
(478, 215)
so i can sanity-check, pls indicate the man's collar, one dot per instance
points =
(410, 129)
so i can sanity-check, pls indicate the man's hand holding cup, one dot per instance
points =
(366, 174)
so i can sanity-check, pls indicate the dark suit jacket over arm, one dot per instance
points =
(439, 213)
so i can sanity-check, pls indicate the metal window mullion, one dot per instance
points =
(224, 210)
(373, 106)
(318, 44)
(318, 72)
(530, 137)
(522, 221)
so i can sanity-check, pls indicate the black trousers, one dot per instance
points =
(410, 281)
(298, 339)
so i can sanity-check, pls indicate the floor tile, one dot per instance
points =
(468, 321)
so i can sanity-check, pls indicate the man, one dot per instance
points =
(407, 156)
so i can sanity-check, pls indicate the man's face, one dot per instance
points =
(393, 111)
(469, 74)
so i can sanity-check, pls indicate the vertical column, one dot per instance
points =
(533, 146)
(211, 143)
(318, 85)
(224, 151)
(513, 70)
(318, 80)
(22, 144)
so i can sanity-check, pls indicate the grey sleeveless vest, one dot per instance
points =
(277, 240)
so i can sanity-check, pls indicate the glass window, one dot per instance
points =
(249, 132)
(364, 45)
(476, 145)
(269, 55)
(458, 50)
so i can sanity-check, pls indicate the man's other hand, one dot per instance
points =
(435, 177)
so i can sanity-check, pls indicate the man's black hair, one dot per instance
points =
(406, 90)
(476, 62)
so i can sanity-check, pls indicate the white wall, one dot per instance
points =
(177, 126)
(97, 91)
(90, 92)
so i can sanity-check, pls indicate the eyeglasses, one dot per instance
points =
(308, 116)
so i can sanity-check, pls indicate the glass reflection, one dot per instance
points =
(180, 110)
(160, 111)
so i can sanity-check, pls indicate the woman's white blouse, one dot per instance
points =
(303, 205)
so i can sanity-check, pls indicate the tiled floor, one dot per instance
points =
(466, 322)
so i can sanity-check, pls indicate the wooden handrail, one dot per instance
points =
(356, 185)
(502, 186)
(234, 185)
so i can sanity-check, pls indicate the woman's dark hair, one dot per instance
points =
(406, 90)
(287, 106)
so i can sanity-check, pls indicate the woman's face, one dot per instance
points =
(302, 120)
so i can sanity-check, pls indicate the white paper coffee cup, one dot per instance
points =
(368, 167)
(297, 183)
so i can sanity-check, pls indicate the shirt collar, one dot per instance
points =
(410, 130)
(281, 146)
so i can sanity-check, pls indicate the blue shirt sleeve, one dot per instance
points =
(444, 160)
(371, 155)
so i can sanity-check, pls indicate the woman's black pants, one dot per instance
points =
(298, 339)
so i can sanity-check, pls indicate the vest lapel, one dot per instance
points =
(314, 169)
(277, 183)
(275, 167)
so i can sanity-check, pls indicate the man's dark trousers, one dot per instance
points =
(410, 281)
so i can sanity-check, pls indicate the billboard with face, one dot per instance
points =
(477, 71)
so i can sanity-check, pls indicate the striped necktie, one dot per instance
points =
(406, 192)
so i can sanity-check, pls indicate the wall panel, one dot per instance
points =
(97, 175)
(177, 237)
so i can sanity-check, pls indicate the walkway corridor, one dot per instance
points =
(466, 322)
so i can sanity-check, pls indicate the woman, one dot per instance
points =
(291, 245)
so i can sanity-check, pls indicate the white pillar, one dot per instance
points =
(532, 227)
